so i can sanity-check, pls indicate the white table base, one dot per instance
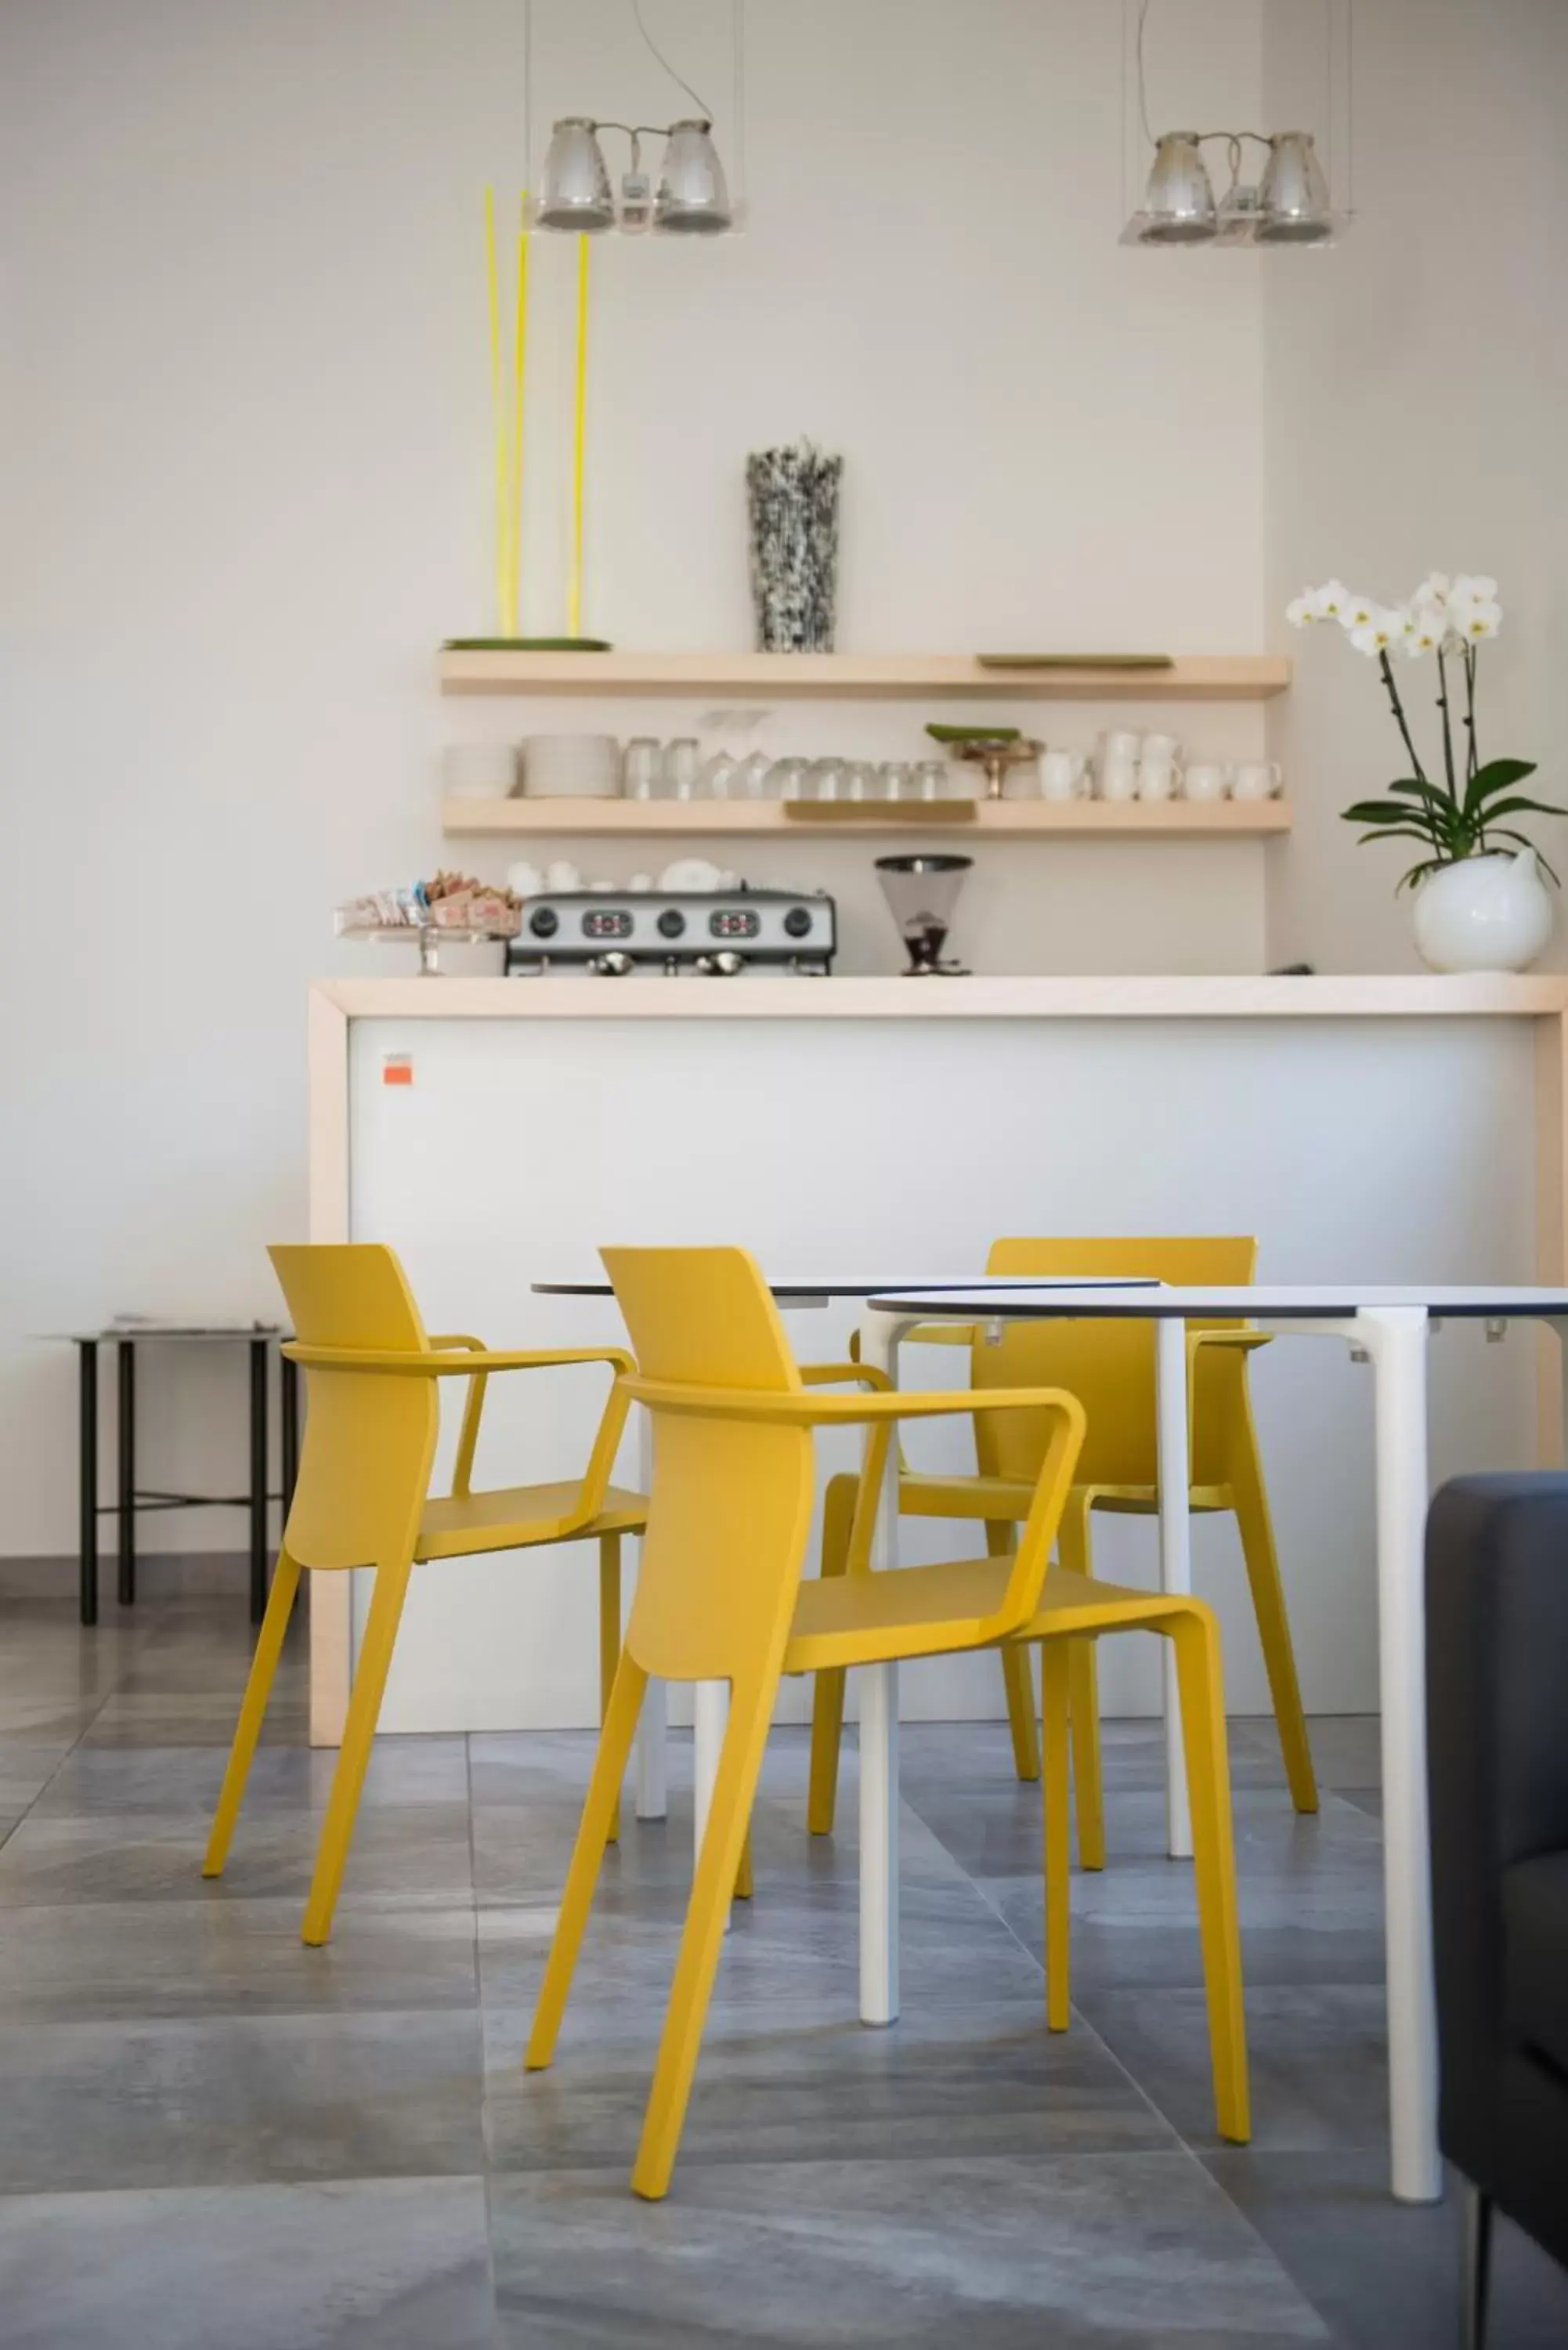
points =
(1173, 1463)
(653, 1799)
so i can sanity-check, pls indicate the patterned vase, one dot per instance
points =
(793, 501)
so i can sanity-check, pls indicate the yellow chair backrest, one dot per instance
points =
(730, 1511)
(1108, 1366)
(370, 1438)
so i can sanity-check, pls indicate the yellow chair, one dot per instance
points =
(362, 1500)
(1109, 1365)
(719, 1598)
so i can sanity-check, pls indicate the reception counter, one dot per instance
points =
(497, 1132)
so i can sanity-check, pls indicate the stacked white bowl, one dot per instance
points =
(570, 766)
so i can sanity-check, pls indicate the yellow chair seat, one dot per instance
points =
(460, 1524)
(859, 1620)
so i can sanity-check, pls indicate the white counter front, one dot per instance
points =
(496, 1133)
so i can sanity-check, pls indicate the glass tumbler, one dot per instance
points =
(898, 779)
(640, 768)
(683, 764)
(786, 780)
(827, 779)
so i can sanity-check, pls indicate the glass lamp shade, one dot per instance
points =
(575, 191)
(1179, 206)
(1292, 197)
(693, 199)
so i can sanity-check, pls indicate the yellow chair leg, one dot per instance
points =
(1017, 1674)
(701, 1941)
(1257, 1532)
(576, 1900)
(1054, 1685)
(358, 1730)
(1214, 1866)
(1073, 1557)
(828, 1693)
(609, 1645)
(247, 1730)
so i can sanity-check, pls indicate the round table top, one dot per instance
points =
(1261, 1301)
(818, 1287)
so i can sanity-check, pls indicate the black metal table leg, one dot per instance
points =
(258, 1478)
(126, 1352)
(87, 1436)
(289, 1432)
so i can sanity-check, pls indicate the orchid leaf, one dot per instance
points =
(1496, 776)
(1518, 807)
(1378, 812)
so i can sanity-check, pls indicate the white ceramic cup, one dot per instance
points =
(1157, 778)
(1260, 780)
(1063, 775)
(1164, 750)
(1118, 779)
(1207, 780)
(1114, 746)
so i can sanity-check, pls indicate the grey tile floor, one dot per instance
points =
(209, 2134)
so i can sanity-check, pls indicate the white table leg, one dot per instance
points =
(1175, 1559)
(878, 1691)
(1396, 1338)
(652, 1799)
(878, 1686)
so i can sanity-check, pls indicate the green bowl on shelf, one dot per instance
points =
(526, 645)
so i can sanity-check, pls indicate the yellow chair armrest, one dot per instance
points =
(438, 1365)
(831, 1411)
(449, 1338)
(827, 1374)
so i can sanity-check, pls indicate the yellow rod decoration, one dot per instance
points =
(519, 362)
(574, 595)
(498, 416)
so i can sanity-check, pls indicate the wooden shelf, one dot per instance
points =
(958, 820)
(914, 677)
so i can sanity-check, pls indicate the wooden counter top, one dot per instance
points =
(1425, 997)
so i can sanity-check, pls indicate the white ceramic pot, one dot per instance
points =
(1486, 913)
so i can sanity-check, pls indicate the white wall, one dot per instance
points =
(244, 481)
(1415, 420)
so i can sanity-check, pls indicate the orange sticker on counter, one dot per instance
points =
(397, 1069)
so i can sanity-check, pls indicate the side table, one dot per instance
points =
(132, 1500)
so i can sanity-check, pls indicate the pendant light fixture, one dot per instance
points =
(691, 197)
(1287, 204)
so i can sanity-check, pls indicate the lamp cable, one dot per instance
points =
(660, 59)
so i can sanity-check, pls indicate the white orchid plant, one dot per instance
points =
(1462, 815)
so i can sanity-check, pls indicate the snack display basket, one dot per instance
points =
(429, 936)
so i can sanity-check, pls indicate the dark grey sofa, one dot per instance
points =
(1497, 1704)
